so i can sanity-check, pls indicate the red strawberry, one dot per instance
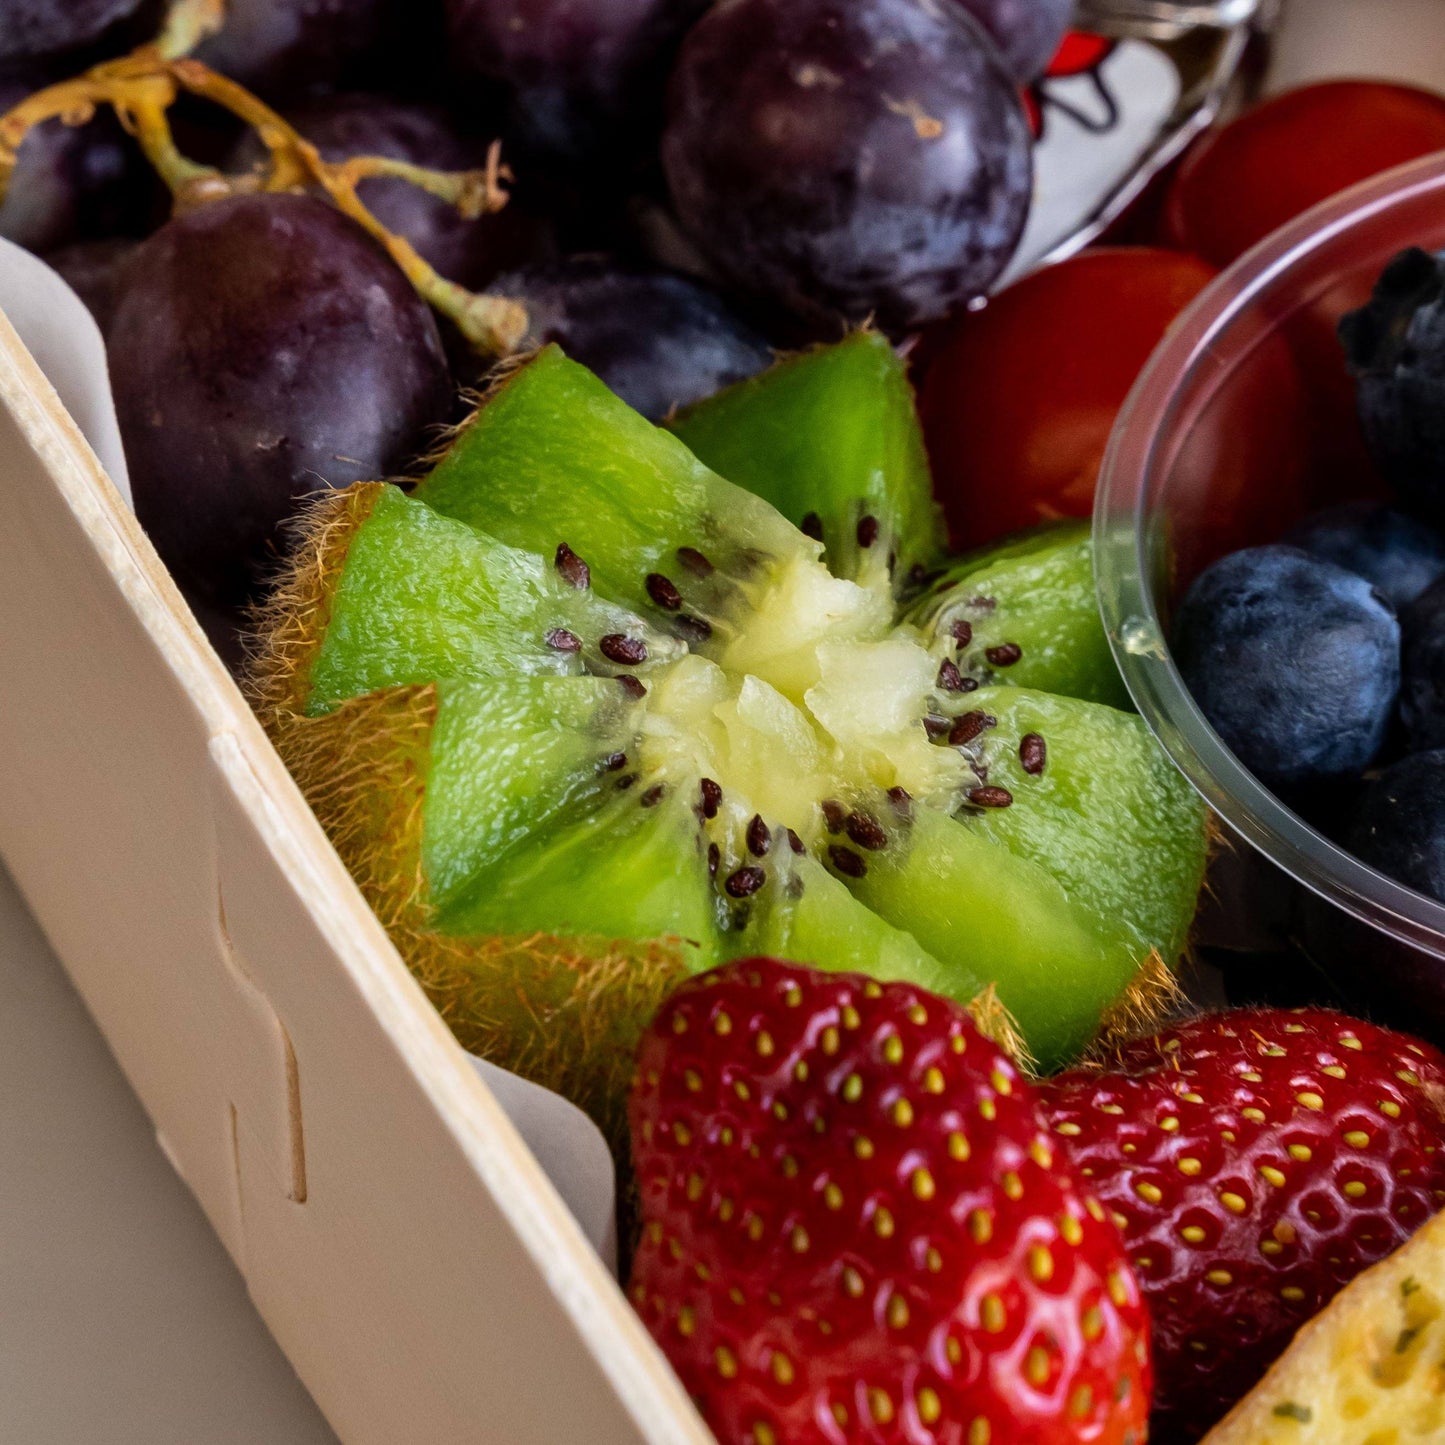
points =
(1256, 1161)
(856, 1228)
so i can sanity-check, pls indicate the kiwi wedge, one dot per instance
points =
(830, 437)
(583, 716)
(1023, 612)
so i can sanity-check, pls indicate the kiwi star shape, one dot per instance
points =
(584, 717)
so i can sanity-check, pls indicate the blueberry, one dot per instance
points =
(1422, 670)
(659, 340)
(1398, 554)
(1400, 826)
(1396, 350)
(1294, 660)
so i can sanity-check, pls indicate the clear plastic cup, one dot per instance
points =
(1242, 422)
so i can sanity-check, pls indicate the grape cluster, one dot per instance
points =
(688, 186)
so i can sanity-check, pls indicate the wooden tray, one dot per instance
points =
(396, 1235)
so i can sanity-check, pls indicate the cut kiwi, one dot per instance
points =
(1060, 867)
(1024, 612)
(831, 438)
(426, 597)
(757, 756)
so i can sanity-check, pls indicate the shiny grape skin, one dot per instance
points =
(32, 29)
(72, 182)
(287, 48)
(849, 158)
(468, 252)
(580, 76)
(263, 348)
(1028, 32)
(659, 340)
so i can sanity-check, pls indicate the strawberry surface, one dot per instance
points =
(1255, 1161)
(856, 1227)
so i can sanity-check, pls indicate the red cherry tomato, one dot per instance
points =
(1018, 400)
(1289, 154)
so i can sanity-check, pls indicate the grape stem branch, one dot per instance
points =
(142, 87)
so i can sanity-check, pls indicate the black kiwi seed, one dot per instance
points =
(950, 679)
(626, 781)
(1033, 754)
(935, 726)
(573, 569)
(1004, 655)
(711, 797)
(833, 814)
(990, 797)
(983, 604)
(619, 648)
(560, 640)
(614, 762)
(795, 842)
(902, 801)
(867, 531)
(794, 887)
(714, 857)
(759, 838)
(694, 629)
(970, 726)
(633, 687)
(812, 526)
(962, 632)
(745, 882)
(866, 832)
(662, 592)
(846, 861)
(653, 796)
(694, 561)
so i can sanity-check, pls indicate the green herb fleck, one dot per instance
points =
(1409, 1287)
(1290, 1411)
(1407, 1338)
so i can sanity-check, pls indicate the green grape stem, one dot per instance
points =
(142, 87)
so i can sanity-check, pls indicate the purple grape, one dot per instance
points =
(72, 182)
(580, 76)
(1027, 32)
(849, 157)
(94, 271)
(282, 48)
(33, 29)
(657, 339)
(264, 349)
(469, 252)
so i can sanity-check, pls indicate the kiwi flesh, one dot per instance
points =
(760, 756)
(1024, 612)
(831, 438)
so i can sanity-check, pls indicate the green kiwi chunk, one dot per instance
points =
(831, 436)
(1075, 856)
(553, 458)
(423, 597)
(1097, 804)
(510, 754)
(811, 917)
(625, 866)
(1024, 612)
(991, 916)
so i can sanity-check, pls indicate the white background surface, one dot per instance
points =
(122, 1321)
